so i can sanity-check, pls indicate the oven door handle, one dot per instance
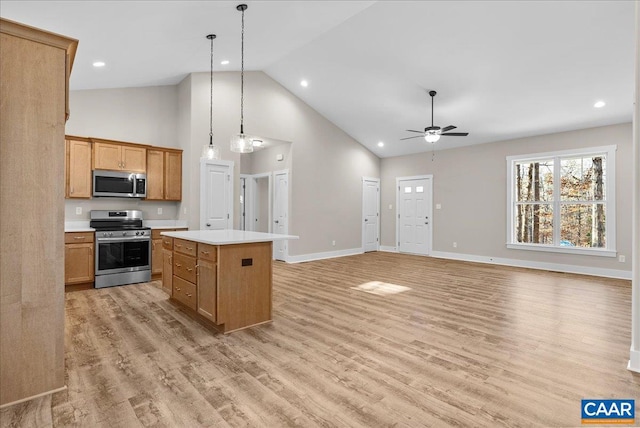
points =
(120, 239)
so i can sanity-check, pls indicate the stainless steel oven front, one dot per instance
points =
(122, 257)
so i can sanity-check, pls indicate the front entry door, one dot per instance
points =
(414, 215)
(216, 190)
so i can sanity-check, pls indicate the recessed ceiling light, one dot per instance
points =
(304, 83)
(225, 62)
(99, 64)
(380, 144)
(599, 104)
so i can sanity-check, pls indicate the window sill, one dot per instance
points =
(566, 250)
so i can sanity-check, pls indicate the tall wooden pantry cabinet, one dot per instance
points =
(34, 70)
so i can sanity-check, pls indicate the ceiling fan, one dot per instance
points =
(433, 133)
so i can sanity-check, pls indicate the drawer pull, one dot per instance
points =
(78, 237)
(189, 269)
(177, 288)
(205, 252)
(188, 294)
(178, 245)
(190, 248)
(178, 265)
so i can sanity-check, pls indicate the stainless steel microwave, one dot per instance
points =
(119, 184)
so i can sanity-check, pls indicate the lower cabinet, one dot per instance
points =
(157, 252)
(195, 278)
(167, 271)
(78, 258)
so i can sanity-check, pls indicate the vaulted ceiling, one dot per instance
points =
(502, 69)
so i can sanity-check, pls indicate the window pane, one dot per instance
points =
(534, 181)
(583, 225)
(534, 223)
(407, 190)
(419, 189)
(583, 178)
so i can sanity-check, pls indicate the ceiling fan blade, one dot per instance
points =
(456, 134)
(411, 130)
(447, 128)
(408, 138)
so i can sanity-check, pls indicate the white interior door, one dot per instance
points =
(280, 212)
(242, 215)
(414, 215)
(370, 214)
(216, 190)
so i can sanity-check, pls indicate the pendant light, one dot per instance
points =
(242, 143)
(209, 151)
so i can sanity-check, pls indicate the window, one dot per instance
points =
(562, 201)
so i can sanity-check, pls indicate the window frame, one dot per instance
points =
(609, 202)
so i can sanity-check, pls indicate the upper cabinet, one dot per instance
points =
(77, 167)
(164, 174)
(119, 157)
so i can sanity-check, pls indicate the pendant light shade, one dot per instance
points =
(209, 151)
(241, 143)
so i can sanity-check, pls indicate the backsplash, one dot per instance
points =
(149, 208)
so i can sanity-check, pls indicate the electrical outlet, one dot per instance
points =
(438, 206)
(621, 259)
(78, 210)
(159, 211)
(333, 243)
(455, 245)
(390, 206)
(184, 210)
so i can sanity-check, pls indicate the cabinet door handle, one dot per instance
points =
(178, 265)
(188, 294)
(71, 189)
(190, 248)
(179, 245)
(189, 269)
(177, 288)
(197, 269)
(206, 253)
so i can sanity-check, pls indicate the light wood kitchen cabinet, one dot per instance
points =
(119, 157)
(34, 68)
(164, 174)
(173, 175)
(78, 257)
(167, 270)
(158, 245)
(77, 167)
(207, 289)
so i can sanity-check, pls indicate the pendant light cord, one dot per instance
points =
(211, 98)
(242, 76)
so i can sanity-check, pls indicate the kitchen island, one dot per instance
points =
(222, 277)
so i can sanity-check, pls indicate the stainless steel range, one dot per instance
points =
(123, 248)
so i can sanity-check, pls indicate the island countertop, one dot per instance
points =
(227, 236)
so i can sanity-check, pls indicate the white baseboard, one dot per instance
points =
(325, 255)
(584, 270)
(33, 397)
(388, 249)
(634, 360)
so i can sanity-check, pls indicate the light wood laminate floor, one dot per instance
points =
(463, 345)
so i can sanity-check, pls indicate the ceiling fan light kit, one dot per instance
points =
(433, 133)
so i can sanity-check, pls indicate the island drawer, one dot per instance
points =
(184, 267)
(167, 243)
(78, 237)
(185, 247)
(207, 252)
(184, 292)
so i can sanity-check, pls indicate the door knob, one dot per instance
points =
(208, 224)
(277, 221)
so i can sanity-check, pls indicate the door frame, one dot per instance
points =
(428, 177)
(362, 231)
(203, 173)
(273, 206)
(251, 196)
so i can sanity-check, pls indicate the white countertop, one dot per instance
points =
(227, 236)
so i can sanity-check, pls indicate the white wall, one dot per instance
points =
(139, 115)
(470, 184)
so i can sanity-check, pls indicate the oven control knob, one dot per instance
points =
(110, 233)
(104, 233)
(124, 233)
(137, 233)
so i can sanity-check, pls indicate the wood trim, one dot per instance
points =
(33, 397)
(40, 36)
(74, 137)
(121, 143)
